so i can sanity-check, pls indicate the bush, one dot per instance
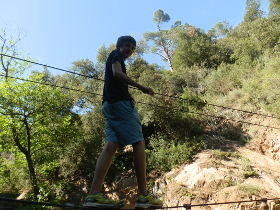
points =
(247, 169)
(221, 155)
(13, 173)
(164, 155)
(250, 189)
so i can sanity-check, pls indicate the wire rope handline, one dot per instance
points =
(48, 84)
(170, 96)
(165, 107)
(52, 67)
(186, 206)
(28, 202)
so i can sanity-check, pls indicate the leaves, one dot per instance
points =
(160, 16)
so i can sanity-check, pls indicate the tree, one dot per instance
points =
(8, 46)
(37, 120)
(253, 11)
(194, 48)
(274, 7)
(163, 45)
(220, 30)
(103, 53)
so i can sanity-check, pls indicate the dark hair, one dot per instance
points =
(125, 39)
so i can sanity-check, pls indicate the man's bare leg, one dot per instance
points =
(102, 166)
(140, 166)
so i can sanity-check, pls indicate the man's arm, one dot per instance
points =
(117, 73)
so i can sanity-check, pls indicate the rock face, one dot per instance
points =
(269, 144)
(265, 140)
(251, 173)
(211, 180)
(194, 175)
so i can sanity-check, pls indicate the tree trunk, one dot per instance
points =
(29, 160)
(32, 174)
(169, 61)
(165, 50)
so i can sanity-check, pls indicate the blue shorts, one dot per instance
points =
(122, 122)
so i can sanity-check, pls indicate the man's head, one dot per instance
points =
(126, 44)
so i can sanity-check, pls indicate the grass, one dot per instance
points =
(250, 189)
(221, 155)
(248, 170)
(230, 181)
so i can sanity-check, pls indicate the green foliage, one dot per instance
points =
(249, 173)
(86, 67)
(230, 181)
(222, 155)
(165, 109)
(160, 16)
(194, 48)
(172, 153)
(36, 125)
(253, 11)
(274, 7)
(250, 189)
(249, 41)
(263, 85)
(225, 79)
(220, 30)
(13, 172)
(247, 169)
(163, 40)
(103, 53)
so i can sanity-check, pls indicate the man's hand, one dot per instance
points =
(147, 90)
(117, 73)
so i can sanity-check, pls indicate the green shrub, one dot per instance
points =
(247, 169)
(165, 155)
(221, 155)
(250, 189)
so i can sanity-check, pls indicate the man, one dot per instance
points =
(122, 126)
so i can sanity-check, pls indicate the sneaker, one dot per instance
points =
(148, 201)
(99, 200)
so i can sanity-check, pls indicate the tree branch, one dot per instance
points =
(17, 142)
(28, 133)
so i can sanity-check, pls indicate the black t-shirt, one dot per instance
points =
(115, 90)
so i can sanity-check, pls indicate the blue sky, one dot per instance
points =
(58, 32)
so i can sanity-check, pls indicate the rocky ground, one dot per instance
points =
(232, 172)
